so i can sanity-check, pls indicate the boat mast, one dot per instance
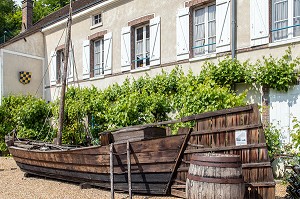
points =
(64, 77)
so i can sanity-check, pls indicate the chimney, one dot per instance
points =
(27, 14)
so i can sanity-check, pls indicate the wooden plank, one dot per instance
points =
(129, 170)
(153, 167)
(111, 170)
(232, 128)
(216, 113)
(80, 159)
(178, 193)
(162, 178)
(178, 159)
(260, 184)
(260, 164)
(178, 186)
(249, 146)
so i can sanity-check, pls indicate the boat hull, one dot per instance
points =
(152, 163)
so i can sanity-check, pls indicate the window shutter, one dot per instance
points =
(107, 53)
(86, 59)
(155, 41)
(223, 25)
(259, 20)
(182, 33)
(71, 65)
(53, 68)
(126, 48)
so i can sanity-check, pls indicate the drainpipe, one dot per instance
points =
(233, 29)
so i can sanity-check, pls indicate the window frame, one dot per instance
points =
(145, 60)
(93, 20)
(101, 57)
(206, 46)
(289, 29)
(59, 65)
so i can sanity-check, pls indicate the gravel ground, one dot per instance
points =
(13, 185)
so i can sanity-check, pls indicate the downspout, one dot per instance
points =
(233, 29)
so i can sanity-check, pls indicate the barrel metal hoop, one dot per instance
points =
(216, 158)
(216, 180)
(216, 164)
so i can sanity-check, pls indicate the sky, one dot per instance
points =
(18, 1)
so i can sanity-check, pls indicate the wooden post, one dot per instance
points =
(129, 169)
(111, 155)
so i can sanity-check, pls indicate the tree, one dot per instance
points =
(11, 15)
(10, 19)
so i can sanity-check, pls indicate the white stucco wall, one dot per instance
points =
(117, 16)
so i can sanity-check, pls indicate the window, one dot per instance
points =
(142, 46)
(59, 65)
(98, 57)
(286, 19)
(204, 37)
(97, 19)
(140, 43)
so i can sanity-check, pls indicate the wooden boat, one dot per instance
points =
(152, 162)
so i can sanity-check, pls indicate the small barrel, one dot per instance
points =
(215, 176)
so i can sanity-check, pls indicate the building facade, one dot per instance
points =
(116, 39)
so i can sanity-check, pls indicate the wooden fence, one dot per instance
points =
(236, 131)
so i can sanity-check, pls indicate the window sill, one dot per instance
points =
(140, 69)
(284, 42)
(96, 26)
(202, 57)
(97, 77)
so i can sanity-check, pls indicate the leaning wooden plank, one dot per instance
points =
(179, 158)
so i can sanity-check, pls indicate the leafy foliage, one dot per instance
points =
(276, 73)
(296, 134)
(227, 72)
(144, 100)
(27, 115)
(10, 19)
(273, 136)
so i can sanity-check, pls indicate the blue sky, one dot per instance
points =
(18, 1)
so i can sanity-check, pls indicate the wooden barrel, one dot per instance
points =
(216, 176)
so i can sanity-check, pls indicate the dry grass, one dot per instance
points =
(15, 186)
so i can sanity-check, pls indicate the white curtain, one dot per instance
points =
(199, 31)
(280, 19)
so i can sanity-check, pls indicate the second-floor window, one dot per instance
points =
(59, 65)
(204, 37)
(142, 46)
(97, 19)
(286, 19)
(99, 57)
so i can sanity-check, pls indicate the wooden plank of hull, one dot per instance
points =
(153, 167)
(153, 145)
(151, 183)
(93, 160)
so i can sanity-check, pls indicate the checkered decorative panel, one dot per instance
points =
(25, 77)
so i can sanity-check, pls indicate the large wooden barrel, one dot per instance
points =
(215, 176)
